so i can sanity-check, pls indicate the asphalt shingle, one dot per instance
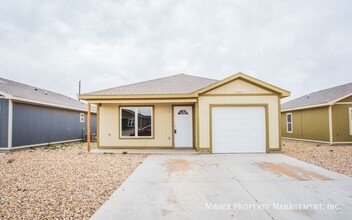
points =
(320, 97)
(177, 84)
(20, 90)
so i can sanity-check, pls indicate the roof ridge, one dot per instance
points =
(151, 80)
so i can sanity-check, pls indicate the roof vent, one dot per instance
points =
(46, 93)
(308, 96)
(35, 89)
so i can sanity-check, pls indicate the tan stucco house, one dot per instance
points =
(239, 114)
(323, 116)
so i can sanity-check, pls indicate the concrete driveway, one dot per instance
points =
(236, 186)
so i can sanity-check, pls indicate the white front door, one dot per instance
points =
(183, 127)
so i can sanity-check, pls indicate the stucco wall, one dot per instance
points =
(109, 130)
(309, 124)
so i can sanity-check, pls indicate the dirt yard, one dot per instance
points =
(60, 182)
(336, 158)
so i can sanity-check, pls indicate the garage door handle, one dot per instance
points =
(175, 131)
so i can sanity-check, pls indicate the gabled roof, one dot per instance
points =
(180, 84)
(320, 98)
(257, 82)
(177, 84)
(26, 93)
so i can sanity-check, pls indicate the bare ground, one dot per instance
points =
(336, 158)
(60, 181)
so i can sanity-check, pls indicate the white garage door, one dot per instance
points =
(238, 130)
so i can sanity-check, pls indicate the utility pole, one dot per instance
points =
(79, 89)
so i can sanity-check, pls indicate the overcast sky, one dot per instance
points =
(301, 46)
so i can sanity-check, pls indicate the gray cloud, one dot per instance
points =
(301, 46)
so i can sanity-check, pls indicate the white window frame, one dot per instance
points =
(136, 123)
(350, 117)
(287, 114)
(81, 117)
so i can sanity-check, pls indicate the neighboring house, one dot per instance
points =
(323, 116)
(237, 114)
(31, 116)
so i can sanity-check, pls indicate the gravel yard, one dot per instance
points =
(336, 158)
(60, 181)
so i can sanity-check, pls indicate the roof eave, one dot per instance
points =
(307, 107)
(6, 95)
(283, 93)
(342, 97)
(88, 97)
(30, 101)
(318, 105)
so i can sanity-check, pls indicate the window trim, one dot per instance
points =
(81, 116)
(136, 123)
(350, 117)
(287, 114)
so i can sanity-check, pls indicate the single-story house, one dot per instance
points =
(31, 116)
(239, 114)
(323, 116)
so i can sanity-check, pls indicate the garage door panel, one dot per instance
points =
(238, 129)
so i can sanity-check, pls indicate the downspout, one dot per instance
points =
(330, 126)
(9, 127)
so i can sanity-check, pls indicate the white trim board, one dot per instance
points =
(136, 123)
(34, 102)
(289, 113)
(350, 119)
(343, 103)
(333, 102)
(342, 142)
(331, 136)
(9, 125)
(306, 107)
(307, 140)
(315, 141)
(343, 97)
(29, 101)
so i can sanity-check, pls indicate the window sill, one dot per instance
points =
(135, 138)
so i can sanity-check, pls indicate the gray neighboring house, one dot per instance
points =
(31, 116)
